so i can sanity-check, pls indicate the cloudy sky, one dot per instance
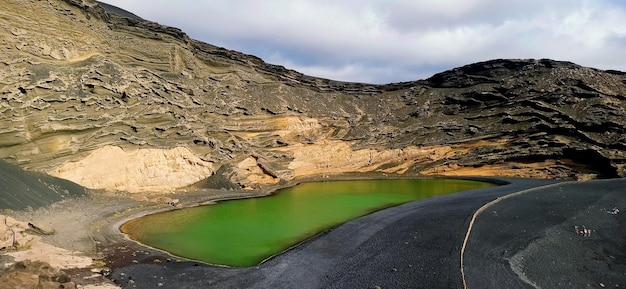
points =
(382, 41)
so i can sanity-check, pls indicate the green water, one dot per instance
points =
(245, 232)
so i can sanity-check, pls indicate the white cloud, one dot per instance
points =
(386, 41)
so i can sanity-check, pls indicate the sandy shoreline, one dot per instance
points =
(87, 228)
(389, 248)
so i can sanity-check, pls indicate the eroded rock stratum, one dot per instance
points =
(127, 104)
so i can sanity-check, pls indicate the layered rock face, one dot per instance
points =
(126, 104)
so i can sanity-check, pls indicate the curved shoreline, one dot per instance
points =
(416, 244)
(310, 262)
(410, 190)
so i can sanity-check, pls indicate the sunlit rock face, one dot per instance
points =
(77, 80)
(140, 170)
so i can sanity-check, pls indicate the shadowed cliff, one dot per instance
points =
(86, 87)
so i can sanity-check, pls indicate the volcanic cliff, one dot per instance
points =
(98, 96)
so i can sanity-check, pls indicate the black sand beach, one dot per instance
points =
(530, 241)
(514, 243)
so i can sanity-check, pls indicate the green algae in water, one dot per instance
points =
(245, 232)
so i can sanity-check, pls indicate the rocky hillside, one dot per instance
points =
(108, 100)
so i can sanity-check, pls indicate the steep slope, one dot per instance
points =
(80, 85)
(20, 190)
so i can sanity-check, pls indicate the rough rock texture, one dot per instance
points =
(76, 78)
(36, 274)
(12, 233)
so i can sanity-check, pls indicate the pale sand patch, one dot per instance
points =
(22, 244)
(31, 247)
(14, 235)
(288, 129)
(82, 57)
(57, 257)
(141, 170)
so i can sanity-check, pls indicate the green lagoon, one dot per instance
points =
(245, 232)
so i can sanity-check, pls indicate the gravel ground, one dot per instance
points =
(530, 240)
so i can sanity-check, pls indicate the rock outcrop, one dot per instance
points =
(77, 80)
(36, 274)
(31, 263)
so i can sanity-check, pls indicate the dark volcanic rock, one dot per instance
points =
(548, 109)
